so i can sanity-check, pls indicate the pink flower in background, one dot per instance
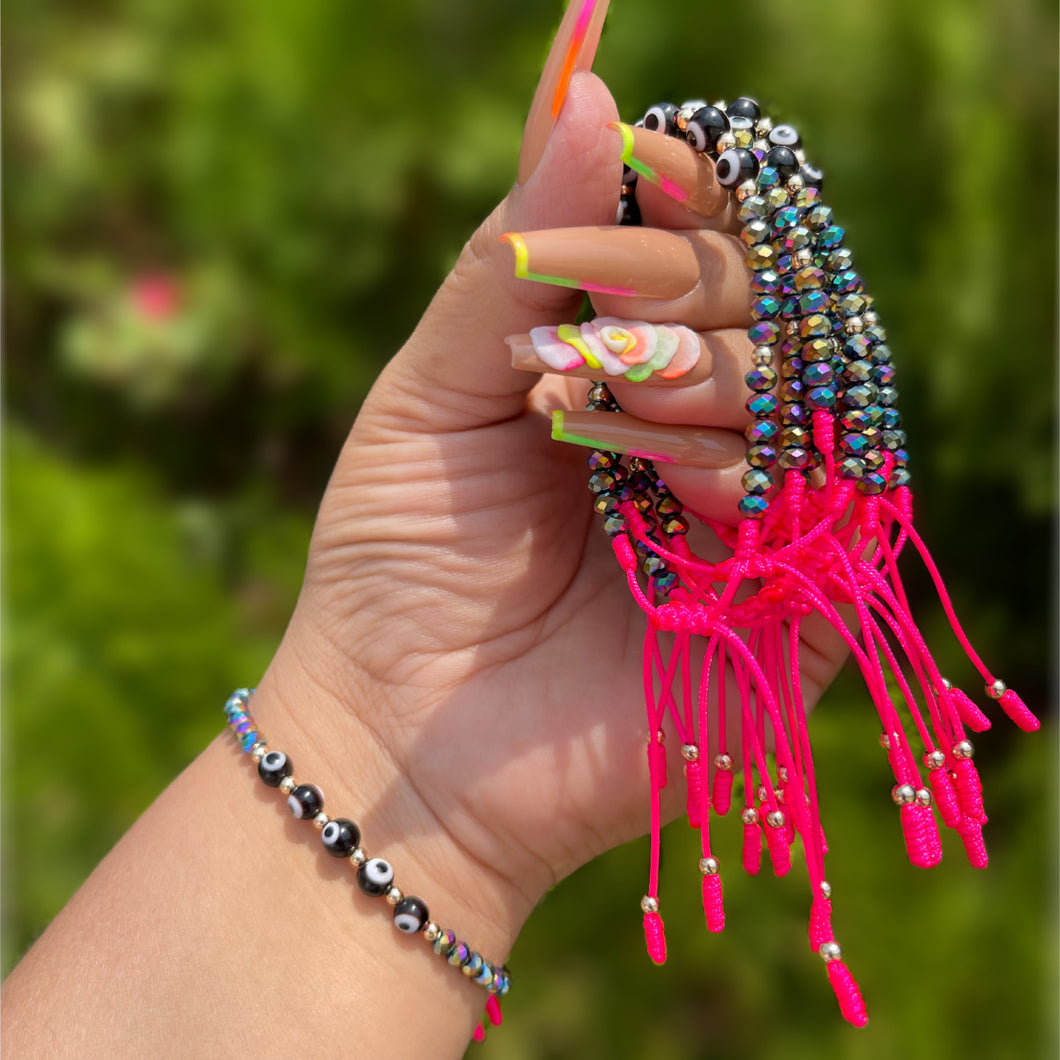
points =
(155, 296)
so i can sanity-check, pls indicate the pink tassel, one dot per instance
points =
(713, 908)
(493, 1010)
(694, 798)
(779, 851)
(970, 714)
(1017, 710)
(945, 797)
(969, 789)
(972, 837)
(752, 849)
(820, 922)
(918, 823)
(722, 791)
(655, 937)
(480, 1033)
(847, 994)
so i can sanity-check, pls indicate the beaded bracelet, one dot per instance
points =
(341, 838)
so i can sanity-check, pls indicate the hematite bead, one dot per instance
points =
(757, 481)
(735, 166)
(705, 126)
(761, 379)
(794, 414)
(783, 160)
(761, 404)
(662, 118)
(411, 915)
(375, 877)
(753, 505)
(306, 801)
(744, 107)
(274, 767)
(819, 374)
(339, 836)
(821, 397)
(762, 455)
(761, 431)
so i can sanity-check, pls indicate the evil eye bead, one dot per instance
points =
(744, 107)
(375, 876)
(273, 767)
(662, 118)
(704, 128)
(735, 166)
(785, 136)
(340, 836)
(812, 176)
(411, 915)
(305, 801)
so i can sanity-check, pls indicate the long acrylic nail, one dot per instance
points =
(618, 432)
(674, 167)
(632, 350)
(573, 49)
(644, 262)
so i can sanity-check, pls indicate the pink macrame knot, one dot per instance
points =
(624, 553)
(694, 796)
(779, 851)
(969, 790)
(820, 922)
(847, 994)
(655, 937)
(903, 502)
(722, 791)
(713, 908)
(752, 848)
(945, 797)
(971, 833)
(676, 617)
(922, 842)
(968, 712)
(1018, 711)
(493, 1010)
(823, 431)
(747, 538)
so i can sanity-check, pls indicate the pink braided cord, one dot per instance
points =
(752, 848)
(722, 791)
(847, 994)
(713, 908)
(655, 937)
(1017, 710)
(694, 796)
(922, 841)
(969, 789)
(945, 796)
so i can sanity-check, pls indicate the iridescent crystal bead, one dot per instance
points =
(815, 326)
(874, 460)
(874, 436)
(840, 259)
(845, 281)
(761, 379)
(795, 238)
(818, 374)
(891, 418)
(753, 208)
(810, 278)
(809, 196)
(794, 414)
(855, 420)
(766, 307)
(653, 565)
(883, 374)
(675, 524)
(887, 395)
(768, 178)
(794, 459)
(819, 217)
(850, 305)
(755, 232)
(764, 455)
(875, 333)
(606, 503)
(602, 481)
(792, 367)
(880, 353)
(789, 308)
(598, 460)
(830, 237)
(753, 506)
(762, 256)
(761, 431)
(776, 198)
(766, 281)
(794, 437)
(854, 443)
(761, 404)
(861, 395)
(813, 301)
(764, 333)
(892, 439)
(816, 350)
(850, 467)
(757, 481)
(900, 477)
(786, 217)
(821, 397)
(872, 482)
(665, 583)
(785, 264)
(857, 372)
(874, 413)
(614, 524)
(669, 506)
(857, 347)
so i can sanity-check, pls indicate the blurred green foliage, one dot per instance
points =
(222, 219)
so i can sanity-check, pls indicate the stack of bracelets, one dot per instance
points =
(341, 838)
(826, 511)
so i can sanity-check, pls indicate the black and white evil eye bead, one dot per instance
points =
(273, 767)
(375, 877)
(785, 136)
(306, 801)
(735, 166)
(783, 160)
(705, 126)
(411, 915)
(744, 107)
(661, 118)
(812, 177)
(339, 836)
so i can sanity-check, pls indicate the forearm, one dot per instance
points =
(219, 926)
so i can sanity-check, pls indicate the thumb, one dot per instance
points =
(456, 366)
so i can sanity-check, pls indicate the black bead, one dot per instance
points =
(735, 166)
(273, 767)
(306, 801)
(340, 836)
(744, 107)
(411, 915)
(628, 210)
(661, 119)
(783, 160)
(375, 877)
(704, 128)
(812, 177)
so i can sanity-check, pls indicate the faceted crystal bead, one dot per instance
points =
(840, 259)
(887, 395)
(874, 436)
(815, 326)
(755, 232)
(854, 443)
(766, 307)
(767, 281)
(819, 217)
(776, 198)
(762, 256)
(761, 379)
(900, 477)
(892, 439)
(883, 374)
(653, 565)
(797, 237)
(785, 264)
(809, 279)
(665, 583)
(856, 347)
(602, 481)
(857, 372)
(829, 238)
(669, 506)
(599, 461)
(846, 281)
(794, 414)
(792, 367)
(753, 208)
(764, 455)
(880, 353)
(614, 524)
(606, 503)
(675, 524)
(813, 301)
(768, 178)
(874, 413)
(891, 418)
(818, 374)
(821, 397)
(764, 333)
(861, 395)
(761, 404)
(753, 506)
(816, 350)
(757, 481)
(874, 460)
(786, 217)
(850, 305)
(875, 333)
(851, 467)
(789, 308)
(856, 420)
(794, 459)
(794, 438)
(810, 195)
(872, 482)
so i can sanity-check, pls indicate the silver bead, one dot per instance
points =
(945, 685)
(288, 784)
(795, 184)
(934, 759)
(775, 819)
(259, 751)
(761, 793)
(963, 749)
(649, 904)
(725, 141)
(853, 325)
(320, 820)
(800, 155)
(903, 794)
(358, 856)
(923, 797)
(692, 105)
(763, 356)
(996, 690)
(708, 866)
(431, 931)
(802, 257)
(760, 145)
(722, 104)
(871, 317)
(764, 127)
(690, 752)
(830, 951)
(393, 896)
(749, 816)
(723, 762)
(826, 889)
(746, 189)
(782, 774)
(885, 741)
